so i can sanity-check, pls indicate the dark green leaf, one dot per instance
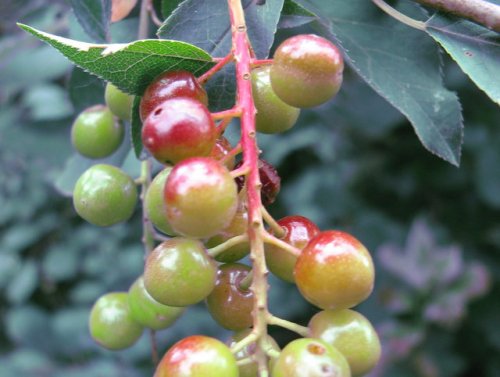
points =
(136, 124)
(85, 90)
(47, 102)
(94, 16)
(294, 15)
(23, 284)
(168, 6)
(405, 74)
(131, 67)
(475, 49)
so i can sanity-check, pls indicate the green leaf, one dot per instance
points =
(94, 16)
(85, 90)
(23, 284)
(475, 49)
(168, 6)
(295, 15)
(130, 67)
(137, 128)
(406, 74)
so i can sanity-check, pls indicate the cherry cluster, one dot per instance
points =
(199, 209)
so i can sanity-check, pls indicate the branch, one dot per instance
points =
(479, 11)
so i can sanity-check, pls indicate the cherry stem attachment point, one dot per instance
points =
(269, 238)
(216, 68)
(247, 340)
(232, 153)
(234, 112)
(246, 282)
(277, 229)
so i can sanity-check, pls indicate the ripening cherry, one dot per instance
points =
(308, 357)
(307, 70)
(198, 356)
(177, 129)
(352, 334)
(201, 197)
(171, 84)
(111, 324)
(220, 150)
(334, 271)
(179, 272)
(154, 203)
(299, 231)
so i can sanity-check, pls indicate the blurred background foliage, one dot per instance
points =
(353, 164)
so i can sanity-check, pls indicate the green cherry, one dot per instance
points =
(155, 204)
(119, 103)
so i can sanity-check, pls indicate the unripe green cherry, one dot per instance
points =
(119, 103)
(104, 195)
(95, 134)
(352, 334)
(155, 203)
(179, 272)
(307, 70)
(273, 115)
(198, 356)
(111, 324)
(310, 358)
(149, 312)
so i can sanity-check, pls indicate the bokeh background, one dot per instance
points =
(354, 164)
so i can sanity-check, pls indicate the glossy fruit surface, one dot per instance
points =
(119, 103)
(171, 84)
(179, 272)
(104, 195)
(229, 304)
(121, 8)
(111, 324)
(220, 150)
(95, 134)
(269, 178)
(273, 115)
(308, 357)
(334, 271)
(237, 227)
(177, 129)
(352, 334)
(201, 197)
(155, 203)
(198, 356)
(149, 312)
(299, 231)
(307, 70)
(251, 369)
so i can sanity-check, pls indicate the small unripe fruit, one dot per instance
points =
(95, 134)
(310, 358)
(104, 195)
(201, 197)
(352, 334)
(154, 203)
(179, 272)
(119, 103)
(177, 129)
(273, 115)
(171, 84)
(198, 356)
(111, 324)
(149, 312)
(334, 271)
(307, 70)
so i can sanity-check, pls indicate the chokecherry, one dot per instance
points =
(154, 203)
(119, 103)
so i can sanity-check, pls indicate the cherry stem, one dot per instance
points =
(246, 282)
(273, 353)
(216, 250)
(277, 229)
(399, 16)
(152, 12)
(247, 340)
(292, 326)
(245, 361)
(221, 127)
(154, 349)
(242, 170)
(261, 62)
(227, 114)
(269, 238)
(216, 68)
(232, 153)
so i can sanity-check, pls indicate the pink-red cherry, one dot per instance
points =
(177, 129)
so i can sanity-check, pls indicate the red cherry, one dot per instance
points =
(171, 84)
(177, 129)
(271, 181)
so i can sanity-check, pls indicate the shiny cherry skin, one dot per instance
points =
(177, 129)
(352, 334)
(299, 230)
(149, 312)
(201, 197)
(119, 103)
(121, 9)
(251, 369)
(220, 150)
(179, 272)
(229, 304)
(104, 195)
(171, 84)
(307, 71)
(198, 356)
(111, 324)
(269, 178)
(154, 203)
(334, 271)
(308, 357)
(95, 134)
(273, 115)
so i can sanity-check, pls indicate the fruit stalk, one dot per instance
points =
(243, 60)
